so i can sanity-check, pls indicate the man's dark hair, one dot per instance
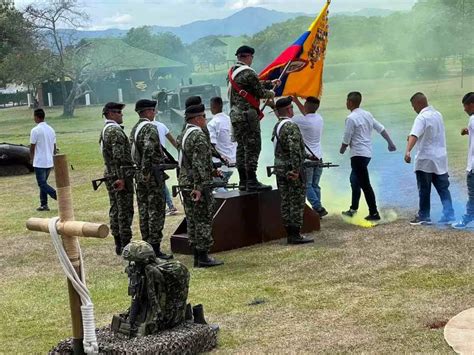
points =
(312, 104)
(355, 97)
(39, 112)
(417, 96)
(468, 99)
(216, 100)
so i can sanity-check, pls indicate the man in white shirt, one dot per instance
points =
(358, 136)
(468, 218)
(431, 160)
(42, 149)
(164, 133)
(310, 124)
(220, 129)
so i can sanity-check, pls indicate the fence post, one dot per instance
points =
(120, 95)
(50, 99)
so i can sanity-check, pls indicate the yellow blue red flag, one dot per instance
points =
(302, 63)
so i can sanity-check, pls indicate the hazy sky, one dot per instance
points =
(132, 13)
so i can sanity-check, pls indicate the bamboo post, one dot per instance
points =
(70, 230)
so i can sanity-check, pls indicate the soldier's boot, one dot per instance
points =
(188, 314)
(160, 254)
(242, 179)
(253, 184)
(196, 257)
(198, 314)
(204, 260)
(118, 245)
(294, 236)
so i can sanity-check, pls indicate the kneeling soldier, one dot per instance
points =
(196, 171)
(289, 157)
(147, 152)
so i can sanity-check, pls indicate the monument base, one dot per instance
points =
(242, 219)
(186, 338)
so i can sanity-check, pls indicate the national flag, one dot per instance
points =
(302, 63)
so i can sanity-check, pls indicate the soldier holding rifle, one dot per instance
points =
(116, 153)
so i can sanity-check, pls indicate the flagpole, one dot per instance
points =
(275, 86)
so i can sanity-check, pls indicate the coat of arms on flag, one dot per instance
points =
(300, 66)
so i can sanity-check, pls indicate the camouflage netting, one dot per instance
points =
(187, 338)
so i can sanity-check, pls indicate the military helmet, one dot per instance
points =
(138, 251)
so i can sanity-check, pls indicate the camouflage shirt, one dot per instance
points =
(248, 80)
(115, 150)
(196, 166)
(289, 151)
(148, 150)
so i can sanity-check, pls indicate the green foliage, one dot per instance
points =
(165, 44)
(15, 98)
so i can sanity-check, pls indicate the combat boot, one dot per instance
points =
(188, 314)
(204, 260)
(198, 314)
(160, 254)
(253, 185)
(196, 257)
(294, 236)
(242, 179)
(118, 245)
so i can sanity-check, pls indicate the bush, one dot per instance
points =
(17, 98)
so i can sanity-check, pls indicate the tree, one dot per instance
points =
(68, 60)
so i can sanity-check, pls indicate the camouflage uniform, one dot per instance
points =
(116, 154)
(196, 170)
(289, 156)
(150, 193)
(244, 118)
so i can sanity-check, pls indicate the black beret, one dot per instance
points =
(194, 111)
(193, 100)
(313, 100)
(283, 102)
(112, 106)
(145, 104)
(245, 50)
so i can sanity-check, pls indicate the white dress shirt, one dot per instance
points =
(431, 156)
(470, 154)
(220, 133)
(44, 138)
(311, 128)
(358, 132)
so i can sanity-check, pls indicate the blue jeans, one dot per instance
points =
(169, 201)
(470, 193)
(226, 177)
(313, 191)
(42, 175)
(441, 184)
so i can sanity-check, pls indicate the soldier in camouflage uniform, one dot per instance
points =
(245, 117)
(146, 152)
(196, 172)
(289, 157)
(116, 153)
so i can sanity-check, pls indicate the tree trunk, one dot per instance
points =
(68, 108)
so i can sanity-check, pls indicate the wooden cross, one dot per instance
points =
(70, 230)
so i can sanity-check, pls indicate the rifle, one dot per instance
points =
(176, 189)
(97, 182)
(307, 164)
(218, 165)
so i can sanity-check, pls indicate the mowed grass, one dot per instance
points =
(355, 290)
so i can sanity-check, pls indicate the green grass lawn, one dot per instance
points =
(355, 290)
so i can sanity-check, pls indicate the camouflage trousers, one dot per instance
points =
(293, 199)
(199, 220)
(246, 130)
(121, 211)
(151, 209)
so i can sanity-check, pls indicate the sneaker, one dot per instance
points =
(349, 213)
(446, 220)
(43, 208)
(463, 223)
(417, 221)
(322, 212)
(373, 217)
(171, 211)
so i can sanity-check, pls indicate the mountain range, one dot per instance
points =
(244, 22)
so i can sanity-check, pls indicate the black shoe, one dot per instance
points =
(322, 212)
(204, 260)
(253, 185)
(373, 217)
(43, 208)
(417, 221)
(198, 314)
(160, 254)
(242, 179)
(349, 213)
(294, 236)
